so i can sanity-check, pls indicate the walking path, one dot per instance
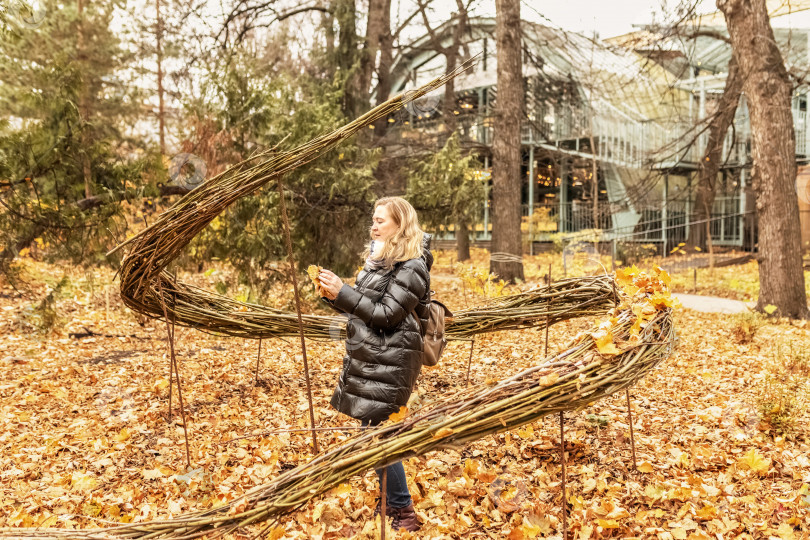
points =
(701, 260)
(711, 304)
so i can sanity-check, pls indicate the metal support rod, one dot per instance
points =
(469, 363)
(182, 409)
(258, 357)
(486, 202)
(613, 255)
(170, 339)
(545, 353)
(664, 216)
(288, 239)
(632, 436)
(383, 502)
(562, 460)
(531, 199)
(173, 365)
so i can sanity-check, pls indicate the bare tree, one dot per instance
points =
(709, 166)
(506, 254)
(768, 89)
(159, 58)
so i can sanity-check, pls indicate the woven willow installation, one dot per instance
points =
(636, 336)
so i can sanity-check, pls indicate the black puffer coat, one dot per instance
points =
(383, 337)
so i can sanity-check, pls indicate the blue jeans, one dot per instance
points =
(396, 492)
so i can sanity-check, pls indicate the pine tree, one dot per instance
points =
(329, 200)
(62, 156)
(447, 189)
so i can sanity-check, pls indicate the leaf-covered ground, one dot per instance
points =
(84, 437)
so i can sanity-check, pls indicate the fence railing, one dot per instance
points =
(668, 225)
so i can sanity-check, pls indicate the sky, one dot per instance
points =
(608, 18)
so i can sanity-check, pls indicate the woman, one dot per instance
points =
(388, 310)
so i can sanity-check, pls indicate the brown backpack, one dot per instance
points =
(434, 340)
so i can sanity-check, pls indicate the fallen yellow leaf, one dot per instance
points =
(443, 432)
(399, 415)
(754, 461)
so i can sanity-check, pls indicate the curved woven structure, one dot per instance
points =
(146, 286)
(638, 335)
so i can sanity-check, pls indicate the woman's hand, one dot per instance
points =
(330, 284)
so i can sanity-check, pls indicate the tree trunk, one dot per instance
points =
(507, 257)
(345, 13)
(768, 91)
(710, 164)
(449, 107)
(159, 50)
(462, 241)
(386, 63)
(87, 172)
(368, 57)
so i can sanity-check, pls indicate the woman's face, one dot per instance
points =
(383, 226)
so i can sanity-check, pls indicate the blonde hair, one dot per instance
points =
(406, 242)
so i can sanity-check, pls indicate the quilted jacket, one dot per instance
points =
(383, 337)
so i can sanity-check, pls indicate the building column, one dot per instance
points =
(481, 117)
(664, 213)
(531, 199)
(742, 206)
(563, 214)
(486, 202)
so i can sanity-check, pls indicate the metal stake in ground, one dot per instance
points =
(562, 460)
(630, 420)
(170, 342)
(383, 502)
(173, 364)
(469, 364)
(258, 357)
(562, 429)
(288, 239)
(545, 353)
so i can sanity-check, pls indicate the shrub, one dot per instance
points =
(783, 397)
(746, 326)
(634, 252)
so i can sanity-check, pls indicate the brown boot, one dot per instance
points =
(405, 518)
(378, 509)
